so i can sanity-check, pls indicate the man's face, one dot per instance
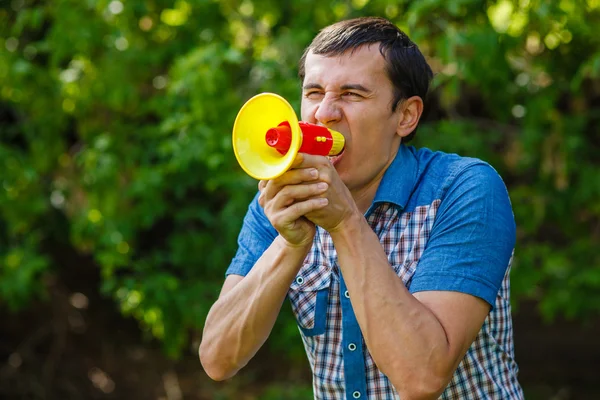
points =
(353, 95)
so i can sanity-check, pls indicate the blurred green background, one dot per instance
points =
(121, 200)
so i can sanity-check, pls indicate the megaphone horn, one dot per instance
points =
(267, 137)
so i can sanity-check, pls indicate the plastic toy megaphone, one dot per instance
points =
(267, 136)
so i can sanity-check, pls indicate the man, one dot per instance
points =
(396, 260)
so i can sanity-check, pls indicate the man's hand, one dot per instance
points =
(288, 198)
(340, 204)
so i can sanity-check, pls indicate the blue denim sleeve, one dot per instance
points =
(255, 237)
(472, 238)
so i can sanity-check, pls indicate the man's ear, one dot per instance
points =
(410, 112)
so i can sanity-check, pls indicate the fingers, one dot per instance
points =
(292, 177)
(304, 168)
(297, 176)
(262, 185)
(269, 189)
(309, 178)
(294, 193)
(304, 160)
(291, 202)
(299, 209)
(325, 169)
(291, 194)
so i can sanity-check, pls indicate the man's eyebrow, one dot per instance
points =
(312, 86)
(355, 86)
(348, 86)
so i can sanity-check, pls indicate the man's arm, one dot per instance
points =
(242, 318)
(240, 321)
(417, 340)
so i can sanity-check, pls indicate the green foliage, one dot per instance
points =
(116, 121)
(292, 392)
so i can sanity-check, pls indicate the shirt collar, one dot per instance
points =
(398, 180)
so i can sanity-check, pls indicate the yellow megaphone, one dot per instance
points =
(267, 136)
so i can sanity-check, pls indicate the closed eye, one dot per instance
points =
(355, 91)
(353, 94)
(313, 94)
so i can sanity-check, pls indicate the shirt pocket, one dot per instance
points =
(309, 295)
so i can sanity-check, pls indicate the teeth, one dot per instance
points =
(333, 159)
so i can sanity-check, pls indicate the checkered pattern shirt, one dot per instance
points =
(445, 223)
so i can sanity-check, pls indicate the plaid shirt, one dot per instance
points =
(445, 223)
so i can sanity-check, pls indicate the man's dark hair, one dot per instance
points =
(405, 65)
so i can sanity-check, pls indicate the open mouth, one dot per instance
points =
(336, 159)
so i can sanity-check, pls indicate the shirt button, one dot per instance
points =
(356, 395)
(351, 347)
(299, 280)
(346, 294)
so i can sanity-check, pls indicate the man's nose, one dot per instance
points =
(328, 110)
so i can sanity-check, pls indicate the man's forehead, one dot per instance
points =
(370, 51)
(362, 64)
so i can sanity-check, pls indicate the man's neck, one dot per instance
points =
(364, 196)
